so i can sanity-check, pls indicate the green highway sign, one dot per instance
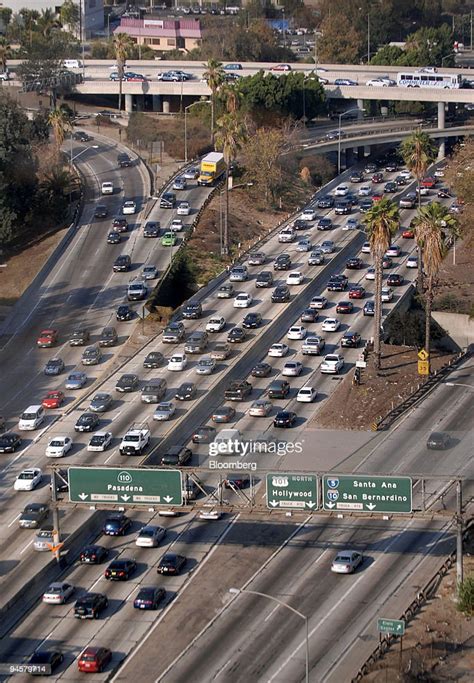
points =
(395, 627)
(292, 491)
(366, 493)
(130, 486)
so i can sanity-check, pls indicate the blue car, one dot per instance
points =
(149, 597)
(345, 81)
(116, 525)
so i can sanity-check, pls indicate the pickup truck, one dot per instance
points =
(174, 333)
(313, 346)
(238, 390)
(135, 440)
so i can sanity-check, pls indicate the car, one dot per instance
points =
(192, 311)
(356, 292)
(351, 340)
(93, 554)
(377, 83)
(278, 350)
(177, 362)
(205, 366)
(149, 272)
(164, 411)
(127, 383)
(370, 274)
(401, 181)
(236, 482)
(28, 479)
(79, 337)
(341, 191)
(151, 229)
(331, 325)
(337, 283)
(238, 274)
(332, 363)
(99, 442)
(364, 191)
(123, 160)
(149, 597)
(304, 245)
(306, 394)
(243, 300)
(261, 370)
(58, 592)
(94, 659)
(116, 525)
(223, 414)
(387, 294)
(345, 81)
(444, 193)
(308, 215)
(47, 338)
(428, 182)
(33, 515)
(390, 187)
(87, 422)
(346, 561)
(377, 177)
(92, 355)
(48, 660)
(44, 539)
(327, 247)
(184, 209)
(225, 291)
(286, 235)
(81, 136)
(252, 321)
(309, 315)
(186, 392)
(136, 291)
(120, 569)
(107, 187)
(90, 605)
(456, 208)
(393, 251)
(54, 367)
(153, 360)
(335, 134)
(215, 324)
(295, 278)
(101, 211)
(296, 332)
(260, 408)
(256, 258)
(351, 224)
(325, 202)
(344, 307)
(292, 368)
(122, 263)
(281, 67)
(408, 201)
(284, 419)
(438, 441)
(325, 224)
(282, 262)
(169, 239)
(53, 399)
(167, 200)
(171, 564)
(408, 233)
(279, 388)
(366, 204)
(365, 249)
(191, 173)
(395, 280)
(124, 313)
(58, 446)
(318, 302)
(129, 207)
(76, 380)
(281, 294)
(316, 258)
(356, 177)
(174, 333)
(369, 308)
(370, 167)
(9, 442)
(204, 434)
(180, 183)
(355, 263)
(176, 225)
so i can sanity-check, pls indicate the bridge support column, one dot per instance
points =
(156, 102)
(360, 106)
(129, 103)
(349, 157)
(166, 106)
(361, 152)
(441, 124)
(140, 102)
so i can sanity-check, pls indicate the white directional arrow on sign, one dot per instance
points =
(167, 499)
(311, 505)
(274, 503)
(83, 496)
(125, 498)
(371, 506)
(330, 505)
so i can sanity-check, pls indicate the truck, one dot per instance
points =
(212, 168)
(135, 440)
(313, 346)
(238, 390)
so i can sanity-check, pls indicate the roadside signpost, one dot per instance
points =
(423, 367)
(366, 493)
(292, 491)
(396, 627)
(124, 486)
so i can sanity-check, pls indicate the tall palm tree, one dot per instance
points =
(230, 135)
(214, 77)
(232, 97)
(123, 45)
(60, 122)
(434, 229)
(47, 22)
(418, 152)
(382, 222)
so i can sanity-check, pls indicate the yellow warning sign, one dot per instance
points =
(422, 354)
(423, 367)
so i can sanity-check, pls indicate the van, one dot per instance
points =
(154, 391)
(107, 187)
(72, 64)
(197, 342)
(31, 418)
(189, 490)
(223, 444)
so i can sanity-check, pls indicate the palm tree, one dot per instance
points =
(47, 22)
(418, 152)
(435, 227)
(230, 135)
(214, 77)
(232, 97)
(122, 47)
(382, 222)
(60, 122)
(4, 53)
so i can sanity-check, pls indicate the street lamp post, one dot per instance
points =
(237, 591)
(344, 113)
(446, 57)
(185, 125)
(71, 159)
(459, 384)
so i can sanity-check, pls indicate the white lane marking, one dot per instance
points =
(14, 520)
(269, 616)
(26, 547)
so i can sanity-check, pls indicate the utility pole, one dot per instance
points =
(56, 531)
(459, 530)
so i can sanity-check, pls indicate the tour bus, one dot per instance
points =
(420, 79)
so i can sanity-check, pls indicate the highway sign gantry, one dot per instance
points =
(366, 493)
(130, 486)
(395, 627)
(292, 491)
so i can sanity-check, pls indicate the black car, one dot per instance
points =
(81, 136)
(264, 279)
(192, 311)
(261, 370)
(238, 390)
(127, 383)
(300, 224)
(252, 321)
(44, 662)
(114, 237)
(101, 211)
(62, 481)
(281, 294)
(167, 200)
(391, 167)
(186, 392)
(357, 177)
(120, 570)
(87, 422)
(120, 224)
(32, 516)
(365, 204)
(122, 263)
(282, 262)
(108, 337)
(326, 202)
(337, 283)
(324, 224)
(444, 193)
(390, 187)
(395, 280)
(151, 229)
(343, 207)
(351, 340)
(149, 597)
(124, 160)
(438, 441)
(177, 455)
(354, 263)
(204, 434)
(153, 360)
(93, 554)
(79, 337)
(237, 482)
(285, 418)
(236, 335)
(279, 388)
(90, 606)
(116, 525)
(369, 308)
(124, 313)
(171, 563)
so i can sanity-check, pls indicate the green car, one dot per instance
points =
(168, 239)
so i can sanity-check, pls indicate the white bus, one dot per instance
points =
(419, 79)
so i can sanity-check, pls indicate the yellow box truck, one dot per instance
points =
(212, 168)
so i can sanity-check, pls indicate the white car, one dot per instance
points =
(296, 332)
(332, 364)
(331, 325)
(341, 191)
(304, 245)
(149, 536)
(365, 191)
(28, 479)
(215, 324)
(346, 561)
(243, 300)
(210, 515)
(351, 224)
(387, 294)
(393, 250)
(370, 274)
(405, 173)
(176, 225)
(295, 278)
(412, 262)
(306, 395)
(149, 272)
(177, 362)
(129, 207)
(107, 188)
(327, 247)
(293, 368)
(192, 173)
(58, 446)
(57, 593)
(377, 83)
(99, 442)
(183, 209)
(424, 191)
(439, 173)
(366, 248)
(164, 411)
(286, 235)
(278, 350)
(308, 215)
(205, 366)
(318, 302)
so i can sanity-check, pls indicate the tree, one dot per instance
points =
(382, 222)
(262, 152)
(70, 16)
(341, 42)
(434, 229)
(5, 53)
(387, 55)
(214, 77)
(60, 122)
(122, 46)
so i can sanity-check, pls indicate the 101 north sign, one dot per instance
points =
(292, 491)
(367, 493)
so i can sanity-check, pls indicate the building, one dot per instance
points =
(92, 12)
(163, 35)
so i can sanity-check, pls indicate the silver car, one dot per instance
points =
(261, 408)
(292, 368)
(328, 246)
(205, 366)
(76, 380)
(43, 540)
(149, 272)
(91, 356)
(149, 536)
(100, 403)
(57, 593)
(346, 561)
(164, 411)
(256, 258)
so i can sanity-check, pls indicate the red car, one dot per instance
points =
(408, 234)
(377, 196)
(357, 292)
(345, 307)
(94, 659)
(47, 338)
(53, 399)
(377, 177)
(429, 182)
(281, 67)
